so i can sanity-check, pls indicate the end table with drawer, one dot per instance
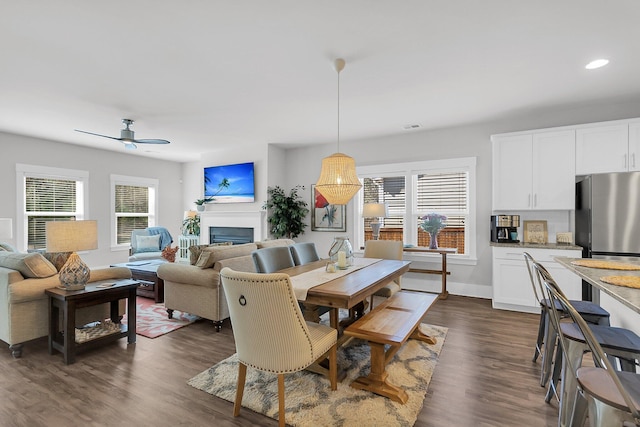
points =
(146, 273)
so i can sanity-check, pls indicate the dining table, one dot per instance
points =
(347, 291)
(342, 289)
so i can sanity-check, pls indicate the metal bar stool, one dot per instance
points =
(589, 311)
(617, 342)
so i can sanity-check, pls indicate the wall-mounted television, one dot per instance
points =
(230, 183)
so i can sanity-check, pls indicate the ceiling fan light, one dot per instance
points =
(338, 181)
(130, 146)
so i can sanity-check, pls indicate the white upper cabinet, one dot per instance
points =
(602, 149)
(534, 171)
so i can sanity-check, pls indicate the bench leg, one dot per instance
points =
(417, 334)
(376, 381)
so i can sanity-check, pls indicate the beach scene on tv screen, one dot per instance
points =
(230, 183)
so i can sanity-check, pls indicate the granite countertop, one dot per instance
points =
(627, 296)
(538, 245)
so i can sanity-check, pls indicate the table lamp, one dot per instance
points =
(72, 236)
(375, 211)
(6, 228)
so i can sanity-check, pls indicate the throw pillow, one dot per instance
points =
(30, 265)
(205, 260)
(169, 254)
(148, 243)
(196, 250)
(58, 259)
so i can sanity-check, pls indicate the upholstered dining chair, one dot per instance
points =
(589, 311)
(304, 253)
(618, 343)
(270, 260)
(284, 344)
(385, 249)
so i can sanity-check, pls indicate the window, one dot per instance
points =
(133, 206)
(412, 190)
(47, 194)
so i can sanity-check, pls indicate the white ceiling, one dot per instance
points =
(208, 73)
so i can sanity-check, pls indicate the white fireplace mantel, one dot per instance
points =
(251, 219)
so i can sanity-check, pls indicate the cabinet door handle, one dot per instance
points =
(633, 160)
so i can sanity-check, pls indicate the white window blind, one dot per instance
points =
(46, 200)
(392, 192)
(132, 210)
(444, 193)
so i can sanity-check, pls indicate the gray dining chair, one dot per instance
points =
(270, 260)
(546, 338)
(620, 345)
(304, 253)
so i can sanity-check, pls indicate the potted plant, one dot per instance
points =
(191, 226)
(201, 202)
(286, 212)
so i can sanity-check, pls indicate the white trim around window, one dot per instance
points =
(409, 170)
(151, 184)
(24, 171)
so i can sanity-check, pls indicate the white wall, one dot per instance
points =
(303, 166)
(100, 164)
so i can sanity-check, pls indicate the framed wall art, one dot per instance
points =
(535, 232)
(324, 216)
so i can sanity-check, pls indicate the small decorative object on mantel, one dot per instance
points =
(432, 223)
(169, 253)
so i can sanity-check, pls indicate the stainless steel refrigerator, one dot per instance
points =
(608, 217)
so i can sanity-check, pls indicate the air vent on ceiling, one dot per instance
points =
(411, 127)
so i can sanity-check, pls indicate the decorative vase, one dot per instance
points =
(200, 208)
(433, 240)
(341, 245)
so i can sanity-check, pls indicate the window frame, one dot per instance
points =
(410, 170)
(24, 171)
(134, 181)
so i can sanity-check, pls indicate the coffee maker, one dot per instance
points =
(504, 228)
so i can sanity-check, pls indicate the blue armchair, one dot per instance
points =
(148, 243)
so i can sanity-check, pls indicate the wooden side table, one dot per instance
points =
(443, 271)
(69, 301)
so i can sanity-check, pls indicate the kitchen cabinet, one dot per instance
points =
(534, 171)
(607, 148)
(512, 288)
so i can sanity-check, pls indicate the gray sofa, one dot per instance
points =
(24, 310)
(196, 289)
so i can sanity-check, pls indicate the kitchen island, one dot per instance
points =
(622, 302)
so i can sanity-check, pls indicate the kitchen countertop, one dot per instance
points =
(627, 296)
(537, 246)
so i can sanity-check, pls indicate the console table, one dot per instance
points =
(443, 271)
(68, 301)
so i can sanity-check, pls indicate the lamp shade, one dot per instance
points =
(375, 210)
(190, 214)
(338, 181)
(6, 228)
(72, 236)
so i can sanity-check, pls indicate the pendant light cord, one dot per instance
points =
(339, 66)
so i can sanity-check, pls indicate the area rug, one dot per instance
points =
(309, 400)
(152, 320)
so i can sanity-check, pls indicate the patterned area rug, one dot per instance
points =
(309, 400)
(152, 320)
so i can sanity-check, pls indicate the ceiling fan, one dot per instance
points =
(127, 136)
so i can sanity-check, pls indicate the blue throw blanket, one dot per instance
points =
(165, 236)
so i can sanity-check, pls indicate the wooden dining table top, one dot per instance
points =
(348, 290)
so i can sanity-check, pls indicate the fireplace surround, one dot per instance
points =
(255, 220)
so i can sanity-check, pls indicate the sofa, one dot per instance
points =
(24, 309)
(196, 288)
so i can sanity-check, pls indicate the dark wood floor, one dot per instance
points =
(484, 377)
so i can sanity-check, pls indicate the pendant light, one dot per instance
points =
(338, 181)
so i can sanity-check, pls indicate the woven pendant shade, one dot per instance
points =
(338, 181)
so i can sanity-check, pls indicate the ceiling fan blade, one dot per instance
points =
(97, 134)
(151, 141)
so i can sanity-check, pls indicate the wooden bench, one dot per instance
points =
(392, 322)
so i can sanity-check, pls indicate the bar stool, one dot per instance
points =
(619, 343)
(589, 311)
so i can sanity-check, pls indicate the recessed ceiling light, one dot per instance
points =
(596, 64)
